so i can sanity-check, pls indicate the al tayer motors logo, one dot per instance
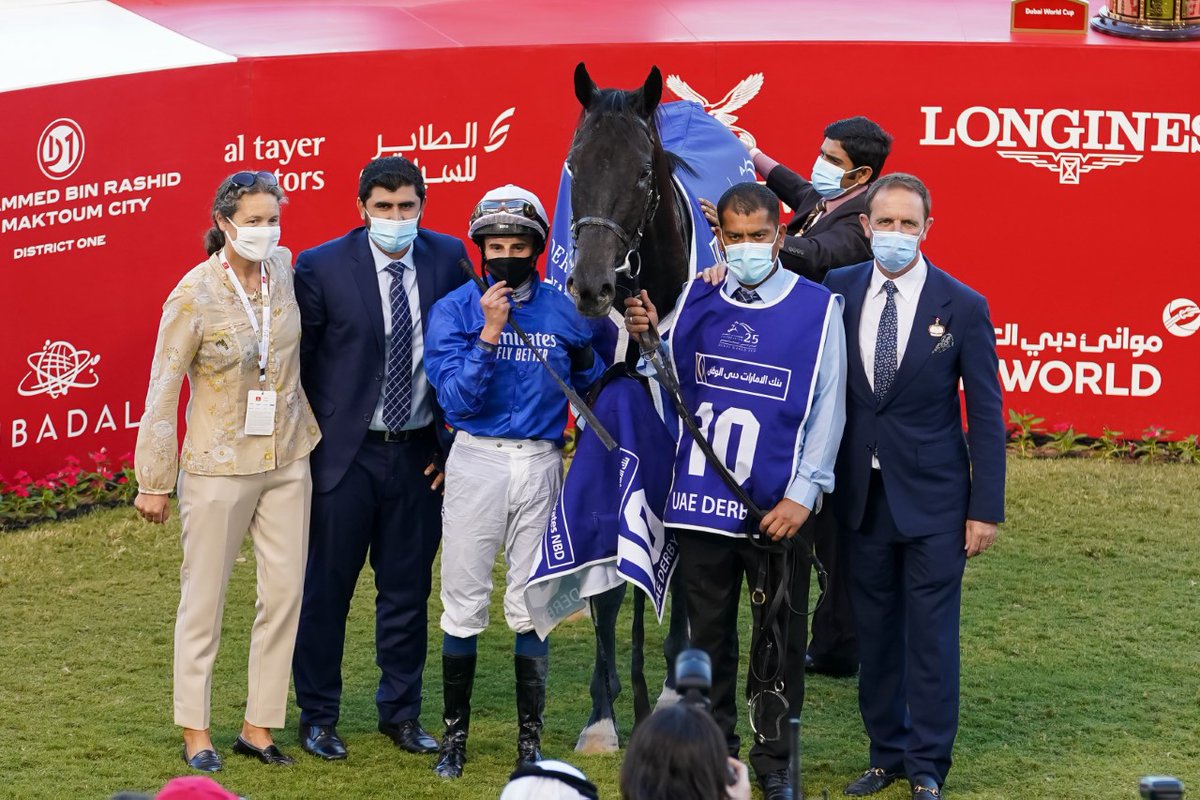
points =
(60, 149)
(1069, 142)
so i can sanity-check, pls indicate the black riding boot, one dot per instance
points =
(531, 704)
(458, 677)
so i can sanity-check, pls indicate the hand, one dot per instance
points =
(153, 507)
(740, 789)
(714, 275)
(439, 477)
(710, 214)
(640, 314)
(495, 311)
(782, 521)
(980, 536)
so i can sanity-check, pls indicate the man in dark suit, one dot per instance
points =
(364, 298)
(823, 234)
(914, 496)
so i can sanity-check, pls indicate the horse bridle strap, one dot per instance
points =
(630, 244)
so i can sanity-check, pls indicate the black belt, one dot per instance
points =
(398, 436)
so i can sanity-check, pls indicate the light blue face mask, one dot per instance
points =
(393, 235)
(750, 262)
(827, 179)
(894, 250)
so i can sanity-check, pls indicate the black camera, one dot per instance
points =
(693, 677)
(1161, 787)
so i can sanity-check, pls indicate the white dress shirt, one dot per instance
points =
(908, 292)
(422, 410)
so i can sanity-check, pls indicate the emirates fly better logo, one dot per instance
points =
(1069, 142)
(60, 149)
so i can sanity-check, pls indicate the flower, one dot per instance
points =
(127, 458)
(23, 478)
(72, 461)
(21, 491)
(70, 479)
(1062, 427)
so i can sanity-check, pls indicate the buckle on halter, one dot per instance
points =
(758, 597)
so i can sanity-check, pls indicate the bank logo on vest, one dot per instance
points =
(1068, 142)
(722, 110)
(1181, 317)
(58, 368)
(60, 149)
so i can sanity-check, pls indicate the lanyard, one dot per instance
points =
(264, 341)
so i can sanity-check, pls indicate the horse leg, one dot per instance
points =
(637, 661)
(674, 643)
(600, 733)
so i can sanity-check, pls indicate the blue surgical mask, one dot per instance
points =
(750, 262)
(894, 250)
(393, 235)
(827, 179)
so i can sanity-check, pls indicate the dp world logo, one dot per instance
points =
(1181, 317)
(60, 149)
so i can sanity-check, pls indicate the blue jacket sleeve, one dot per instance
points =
(459, 369)
(583, 374)
(985, 417)
(311, 301)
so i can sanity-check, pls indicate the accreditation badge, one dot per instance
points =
(260, 413)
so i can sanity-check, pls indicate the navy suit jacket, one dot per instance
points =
(341, 343)
(935, 477)
(835, 240)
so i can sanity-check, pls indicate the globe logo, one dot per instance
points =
(57, 368)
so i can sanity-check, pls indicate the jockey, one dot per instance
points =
(504, 472)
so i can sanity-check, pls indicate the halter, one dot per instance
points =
(630, 244)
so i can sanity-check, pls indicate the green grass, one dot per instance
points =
(1081, 662)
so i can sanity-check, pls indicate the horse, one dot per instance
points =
(629, 227)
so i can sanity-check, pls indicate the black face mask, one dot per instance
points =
(513, 271)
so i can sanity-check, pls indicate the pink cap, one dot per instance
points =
(194, 787)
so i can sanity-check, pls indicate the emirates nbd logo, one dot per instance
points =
(1068, 142)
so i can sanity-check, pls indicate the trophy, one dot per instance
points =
(1150, 19)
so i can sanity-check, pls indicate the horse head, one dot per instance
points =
(616, 164)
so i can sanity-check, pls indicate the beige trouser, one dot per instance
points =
(498, 492)
(216, 512)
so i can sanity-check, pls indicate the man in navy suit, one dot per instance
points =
(364, 299)
(914, 495)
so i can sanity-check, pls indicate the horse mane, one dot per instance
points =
(615, 106)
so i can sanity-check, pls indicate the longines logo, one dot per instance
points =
(722, 110)
(1069, 142)
(60, 149)
(57, 368)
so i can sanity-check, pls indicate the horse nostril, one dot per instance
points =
(606, 291)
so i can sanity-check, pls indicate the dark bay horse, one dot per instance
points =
(628, 223)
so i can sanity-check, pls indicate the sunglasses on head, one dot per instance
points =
(244, 179)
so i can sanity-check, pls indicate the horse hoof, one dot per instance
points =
(599, 737)
(669, 697)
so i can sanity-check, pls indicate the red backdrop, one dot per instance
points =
(1061, 176)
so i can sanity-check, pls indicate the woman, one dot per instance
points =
(233, 328)
(679, 753)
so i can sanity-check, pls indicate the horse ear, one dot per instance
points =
(651, 92)
(585, 87)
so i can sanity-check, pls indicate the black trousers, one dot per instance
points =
(712, 568)
(833, 643)
(384, 510)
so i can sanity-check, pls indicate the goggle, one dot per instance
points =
(245, 179)
(517, 206)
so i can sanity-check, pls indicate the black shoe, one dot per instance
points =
(830, 669)
(458, 680)
(267, 755)
(204, 760)
(777, 785)
(925, 789)
(531, 706)
(409, 736)
(872, 781)
(322, 741)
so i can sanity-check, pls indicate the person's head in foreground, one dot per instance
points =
(194, 787)
(548, 780)
(679, 753)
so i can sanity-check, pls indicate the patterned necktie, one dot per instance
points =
(397, 390)
(744, 295)
(885, 344)
(811, 219)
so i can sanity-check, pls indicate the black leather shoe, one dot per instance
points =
(872, 781)
(267, 755)
(322, 741)
(409, 736)
(829, 669)
(204, 760)
(776, 785)
(926, 790)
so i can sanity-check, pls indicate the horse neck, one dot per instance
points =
(664, 250)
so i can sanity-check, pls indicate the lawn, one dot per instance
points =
(1081, 662)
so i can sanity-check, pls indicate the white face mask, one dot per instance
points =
(393, 235)
(255, 243)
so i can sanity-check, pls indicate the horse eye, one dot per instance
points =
(647, 169)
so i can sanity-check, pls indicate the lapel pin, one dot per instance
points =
(937, 329)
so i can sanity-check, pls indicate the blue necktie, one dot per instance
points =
(397, 390)
(744, 295)
(885, 344)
